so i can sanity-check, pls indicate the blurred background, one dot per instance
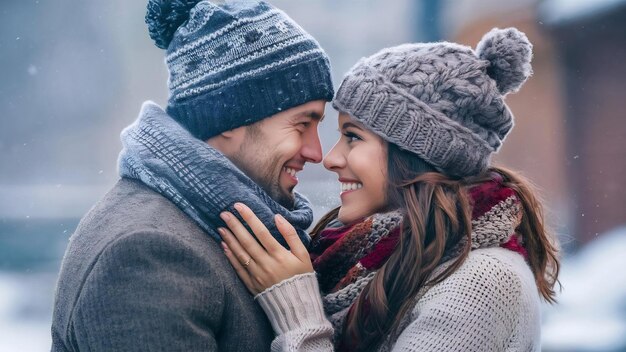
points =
(76, 72)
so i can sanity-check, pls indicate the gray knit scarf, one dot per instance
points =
(200, 180)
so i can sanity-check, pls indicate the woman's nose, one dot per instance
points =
(334, 159)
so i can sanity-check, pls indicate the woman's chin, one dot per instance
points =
(347, 216)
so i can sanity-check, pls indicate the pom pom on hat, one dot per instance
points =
(164, 17)
(509, 53)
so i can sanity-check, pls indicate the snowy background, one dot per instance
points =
(74, 73)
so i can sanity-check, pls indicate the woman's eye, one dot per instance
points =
(351, 137)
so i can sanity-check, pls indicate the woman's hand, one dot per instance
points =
(262, 265)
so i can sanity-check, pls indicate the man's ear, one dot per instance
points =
(236, 135)
(229, 134)
(228, 141)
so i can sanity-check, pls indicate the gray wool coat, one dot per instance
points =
(140, 275)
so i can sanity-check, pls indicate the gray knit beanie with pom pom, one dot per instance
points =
(442, 101)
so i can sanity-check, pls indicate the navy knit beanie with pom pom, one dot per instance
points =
(442, 101)
(235, 62)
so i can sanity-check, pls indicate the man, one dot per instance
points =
(144, 269)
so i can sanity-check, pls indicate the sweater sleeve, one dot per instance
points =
(475, 309)
(294, 307)
(149, 292)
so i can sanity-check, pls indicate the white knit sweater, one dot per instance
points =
(490, 303)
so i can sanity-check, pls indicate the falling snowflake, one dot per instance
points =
(32, 70)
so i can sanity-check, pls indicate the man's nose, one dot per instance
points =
(312, 148)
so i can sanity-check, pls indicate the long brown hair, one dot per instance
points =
(437, 215)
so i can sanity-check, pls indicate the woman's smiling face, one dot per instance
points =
(360, 160)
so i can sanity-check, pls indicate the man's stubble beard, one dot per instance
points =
(257, 160)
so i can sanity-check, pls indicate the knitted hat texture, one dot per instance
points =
(233, 63)
(442, 101)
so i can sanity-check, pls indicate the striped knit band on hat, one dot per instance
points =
(234, 63)
(442, 101)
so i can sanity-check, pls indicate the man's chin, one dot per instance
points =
(286, 199)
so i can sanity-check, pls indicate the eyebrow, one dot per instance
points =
(312, 114)
(350, 124)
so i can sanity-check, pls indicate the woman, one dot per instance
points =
(432, 249)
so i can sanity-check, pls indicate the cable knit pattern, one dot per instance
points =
(342, 299)
(503, 218)
(442, 101)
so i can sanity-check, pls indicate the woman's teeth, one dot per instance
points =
(290, 171)
(350, 186)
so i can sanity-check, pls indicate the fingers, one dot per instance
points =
(244, 239)
(240, 270)
(258, 276)
(239, 253)
(291, 237)
(260, 230)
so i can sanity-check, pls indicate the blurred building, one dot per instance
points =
(570, 133)
(590, 40)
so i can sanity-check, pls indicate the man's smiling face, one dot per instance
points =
(275, 149)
